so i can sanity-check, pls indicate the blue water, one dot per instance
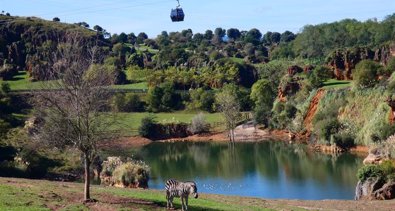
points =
(274, 170)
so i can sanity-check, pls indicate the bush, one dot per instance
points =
(201, 100)
(383, 171)
(343, 140)
(148, 128)
(366, 74)
(327, 127)
(7, 71)
(132, 174)
(369, 171)
(163, 98)
(127, 103)
(391, 65)
(319, 75)
(199, 124)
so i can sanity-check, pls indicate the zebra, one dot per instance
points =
(181, 190)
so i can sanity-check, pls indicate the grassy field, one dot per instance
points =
(130, 122)
(141, 85)
(336, 84)
(33, 195)
(21, 82)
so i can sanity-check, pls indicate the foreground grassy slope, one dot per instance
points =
(23, 194)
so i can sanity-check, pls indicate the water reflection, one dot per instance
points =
(262, 169)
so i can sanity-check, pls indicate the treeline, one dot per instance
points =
(26, 42)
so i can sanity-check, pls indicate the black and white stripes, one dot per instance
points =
(181, 190)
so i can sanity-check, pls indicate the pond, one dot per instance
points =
(260, 169)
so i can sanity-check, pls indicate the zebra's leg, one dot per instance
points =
(186, 202)
(182, 203)
(171, 202)
(168, 202)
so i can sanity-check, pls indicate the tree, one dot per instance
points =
(365, 74)
(229, 106)
(208, 35)
(141, 37)
(263, 96)
(233, 33)
(98, 28)
(72, 112)
(253, 36)
(287, 36)
(319, 75)
(5, 109)
(275, 37)
(56, 19)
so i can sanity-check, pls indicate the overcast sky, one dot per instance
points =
(152, 16)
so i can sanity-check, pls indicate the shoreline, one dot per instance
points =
(221, 137)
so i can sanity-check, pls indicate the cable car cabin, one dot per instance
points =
(177, 15)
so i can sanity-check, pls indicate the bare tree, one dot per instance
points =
(72, 102)
(229, 106)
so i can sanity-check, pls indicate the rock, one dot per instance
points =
(386, 192)
(344, 61)
(375, 189)
(366, 189)
(376, 156)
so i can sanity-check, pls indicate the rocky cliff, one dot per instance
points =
(344, 61)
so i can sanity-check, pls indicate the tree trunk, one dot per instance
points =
(87, 179)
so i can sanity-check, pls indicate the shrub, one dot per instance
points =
(127, 103)
(383, 171)
(201, 100)
(7, 71)
(391, 65)
(369, 171)
(327, 127)
(343, 140)
(147, 128)
(366, 74)
(132, 174)
(319, 75)
(199, 124)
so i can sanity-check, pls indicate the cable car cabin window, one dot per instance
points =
(177, 15)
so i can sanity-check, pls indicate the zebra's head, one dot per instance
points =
(193, 190)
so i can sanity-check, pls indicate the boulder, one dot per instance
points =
(367, 188)
(375, 189)
(376, 156)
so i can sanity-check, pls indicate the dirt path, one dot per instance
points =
(308, 120)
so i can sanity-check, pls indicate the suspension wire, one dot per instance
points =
(102, 8)
(79, 9)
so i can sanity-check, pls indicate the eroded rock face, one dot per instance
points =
(366, 189)
(375, 189)
(343, 62)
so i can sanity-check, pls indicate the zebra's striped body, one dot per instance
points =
(181, 190)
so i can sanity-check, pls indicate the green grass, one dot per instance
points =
(237, 60)
(23, 194)
(141, 85)
(21, 82)
(336, 84)
(146, 48)
(130, 122)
